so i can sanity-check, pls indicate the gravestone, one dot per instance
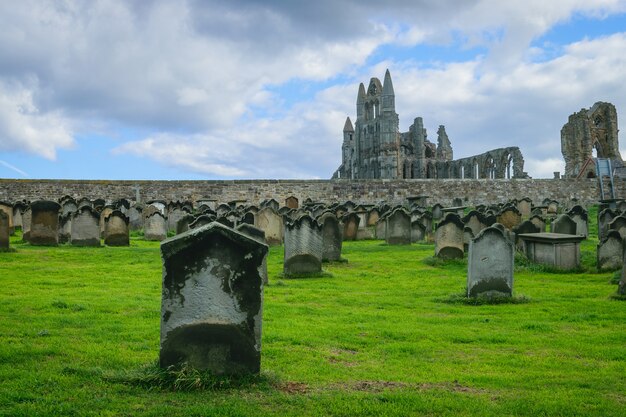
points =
(449, 237)
(610, 251)
(201, 220)
(291, 202)
(155, 227)
(332, 238)
(351, 223)
(398, 230)
(104, 213)
(426, 219)
(174, 214)
(212, 301)
(525, 206)
(7, 208)
(69, 206)
(4, 231)
(18, 210)
(27, 216)
(65, 227)
(604, 218)
(258, 235)
(553, 206)
(272, 224)
(85, 227)
(539, 222)
(84, 201)
(303, 247)
(476, 221)
(135, 217)
(509, 217)
(183, 223)
(381, 227)
(248, 218)
(271, 203)
(116, 232)
(418, 231)
(619, 224)
(564, 224)
(490, 264)
(581, 223)
(524, 227)
(468, 235)
(437, 211)
(44, 224)
(372, 217)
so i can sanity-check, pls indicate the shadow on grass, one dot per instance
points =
(462, 298)
(186, 378)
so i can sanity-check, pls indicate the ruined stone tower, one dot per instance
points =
(588, 130)
(375, 148)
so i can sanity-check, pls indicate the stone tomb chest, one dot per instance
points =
(212, 297)
(555, 249)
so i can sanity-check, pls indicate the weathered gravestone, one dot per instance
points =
(44, 224)
(135, 217)
(258, 235)
(525, 206)
(104, 213)
(272, 224)
(398, 230)
(303, 247)
(201, 220)
(509, 217)
(449, 237)
(418, 231)
(174, 214)
(490, 264)
(351, 223)
(85, 227)
(212, 299)
(184, 222)
(27, 217)
(610, 251)
(437, 211)
(7, 208)
(4, 231)
(155, 227)
(564, 224)
(248, 218)
(116, 232)
(604, 218)
(619, 224)
(476, 221)
(332, 238)
(621, 286)
(539, 222)
(291, 202)
(524, 227)
(18, 209)
(381, 226)
(65, 227)
(468, 235)
(69, 206)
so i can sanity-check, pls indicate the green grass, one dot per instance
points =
(383, 334)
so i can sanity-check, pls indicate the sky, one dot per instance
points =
(202, 89)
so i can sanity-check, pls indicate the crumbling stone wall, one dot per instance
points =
(589, 129)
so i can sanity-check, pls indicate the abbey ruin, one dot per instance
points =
(374, 148)
(587, 135)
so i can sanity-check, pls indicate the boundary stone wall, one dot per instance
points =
(443, 191)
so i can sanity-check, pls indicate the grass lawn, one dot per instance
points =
(383, 334)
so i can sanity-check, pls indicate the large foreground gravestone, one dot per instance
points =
(44, 223)
(303, 247)
(490, 264)
(212, 299)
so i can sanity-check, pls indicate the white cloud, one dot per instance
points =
(23, 127)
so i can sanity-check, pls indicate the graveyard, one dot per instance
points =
(387, 330)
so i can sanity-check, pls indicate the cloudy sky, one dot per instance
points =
(176, 89)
